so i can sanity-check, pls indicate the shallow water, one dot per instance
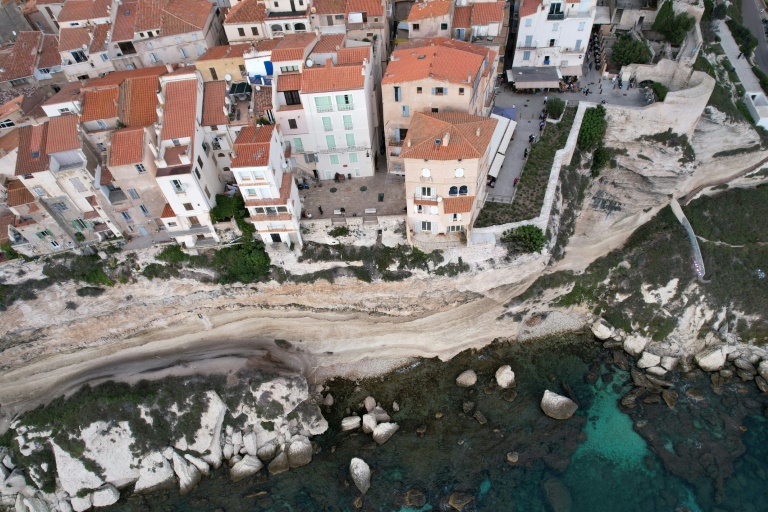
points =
(599, 460)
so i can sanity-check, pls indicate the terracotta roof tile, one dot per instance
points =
(100, 35)
(167, 212)
(139, 101)
(62, 134)
(346, 56)
(292, 47)
(125, 19)
(126, 147)
(11, 106)
(74, 38)
(18, 194)
(469, 136)
(247, 11)
(529, 7)
(330, 6)
(329, 43)
(285, 194)
(83, 10)
(179, 118)
(33, 156)
(372, 7)
(148, 15)
(19, 60)
(252, 146)
(184, 16)
(262, 100)
(7, 219)
(425, 202)
(225, 52)
(444, 61)
(49, 54)
(266, 45)
(9, 142)
(214, 94)
(93, 214)
(487, 12)
(172, 155)
(100, 104)
(339, 78)
(117, 77)
(424, 10)
(460, 204)
(288, 82)
(462, 16)
(106, 179)
(69, 92)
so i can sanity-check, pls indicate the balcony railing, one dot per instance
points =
(328, 128)
(421, 197)
(348, 126)
(325, 108)
(181, 189)
(555, 16)
(195, 229)
(346, 107)
(394, 142)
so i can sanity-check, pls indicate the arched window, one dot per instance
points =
(299, 26)
(277, 28)
(463, 190)
(453, 191)
(287, 27)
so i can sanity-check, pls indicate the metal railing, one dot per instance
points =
(555, 16)
(346, 107)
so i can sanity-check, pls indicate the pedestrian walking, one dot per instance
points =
(739, 55)
(516, 180)
(525, 153)
(545, 100)
(320, 209)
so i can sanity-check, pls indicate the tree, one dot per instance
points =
(525, 239)
(719, 11)
(555, 108)
(245, 264)
(673, 27)
(592, 128)
(628, 50)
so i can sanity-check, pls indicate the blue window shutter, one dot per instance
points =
(433, 91)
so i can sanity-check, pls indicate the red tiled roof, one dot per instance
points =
(423, 10)
(460, 204)
(487, 12)
(225, 52)
(180, 101)
(172, 155)
(117, 77)
(100, 34)
(19, 60)
(214, 94)
(462, 17)
(49, 54)
(339, 78)
(124, 21)
(247, 11)
(100, 104)
(9, 142)
(266, 45)
(372, 7)
(329, 43)
(329, 6)
(346, 56)
(529, 7)
(11, 106)
(167, 212)
(126, 147)
(7, 219)
(262, 100)
(83, 10)
(292, 47)
(106, 179)
(93, 214)
(70, 91)
(62, 134)
(469, 136)
(285, 194)
(148, 15)
(74, 38)
(183, 16)
(445, 61)
(139, 101)
(252, 146)
(33, 156)
(288, 82)
(18, 194)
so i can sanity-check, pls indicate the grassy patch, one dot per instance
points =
(737, 151)
(339, 231)
(532, 186)
(721, 97)
(674, 140)
(642, 156)
(735, 217)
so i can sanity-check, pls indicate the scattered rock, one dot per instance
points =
(200, 464)
(556, 406)
(155, 472)
(602, 329)
(459, 500)
(350, 423)
(745, 375)
(669, 363)
(480, 418)
(634, 345)
(712, 360)
(395, 407)
(369, 403)
(8, 463)
(267, 450)
(467, 407)
(670, 397)
(13, 484)
(384, 431)
(657, 382)
(380, 414)
(369, 423)
(81, 504)
(761, 384)
(237, 439)
(361, 474)
(279, 464)
(299, 452)
(248, 466)
(188, 474)
(249, 442)
(630, 398)
(228, 451)
(328, 400)
(466, 379)
(105, 496)
(744, 364)
(657, 371)
(694, 393)
(652, 399)
(513, 457)
(762, 369)
(557, 494)
(640, 379)
(413, 498)
(648, 360)
(421, 430)
(505, 377)
(438, 415)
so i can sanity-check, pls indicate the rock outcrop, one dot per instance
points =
(105, 496)
(187, 474)
(384, 431)
(634, 345)
(350, 423)
(248, 466)
(466, 379)
(369, 423)
(602, 329)
(712, 360)
(648, 360)
(155, 473)
(361, 474)
(299, 452)
(505, 377)
(557, 406)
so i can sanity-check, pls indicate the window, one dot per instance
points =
(461, 91)
(330, 140)
(552, 43)
(415, 27)
(101, 124)
(418, 90)
(140, 168)
(324, 104)
(6, 123)
(254, 31)
(183, 53)
(405, 111)
(153, 57)
(460, 33)
(46, 71)
(276, 28)
(132, 192)
(44, 233)
(350, 140)
(80, 224)
(207, 192)
(334, 159)
(289, 69)
(526, 55)
(344, 102)
(59, 207)
(453, 191)
(582, 25)
(398, 96)
(528, 22)
(419, 208)
(78, 55)
(578, 44)
(443, 26)
(347, 122)
(35, 154)
(39, 192)
(126, 216)
(172, 224)
(435, 109)
(54, 243)
(463, 190)
(277, 5)
(101, 147)
(426, 226)
(555, 27)
(425, 191)
(64, 110)
(197, 173)
(200, 163)
(300, 27)
(176, 142)
(353, 158)
(339, 17)
(214, 75)
(292, 124)
(241, 32)
(299, 145)
(104, 57)
(144, 210)
(528, 42)
(292, 97)
(188, 207)
(456, 229)
(439, 91)
(327, 124)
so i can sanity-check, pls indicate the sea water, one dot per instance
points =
(604, 458)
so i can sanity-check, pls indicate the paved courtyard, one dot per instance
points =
(348, 195)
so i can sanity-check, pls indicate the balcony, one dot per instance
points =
(194, 229)
(556, 16)
(324, 108)
(418, 196)
(180, 189)
(346, 107)
(575, 13)
(365, 26)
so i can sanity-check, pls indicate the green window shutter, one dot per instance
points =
(335, 159)
(298, 145)
(347, 122)
(75, 225)
(327, 124)
(353, 158)
(350, 140)
(330, 141)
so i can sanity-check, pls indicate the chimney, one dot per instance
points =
(328, 63)
(362, 70)
(169, 68)
(469, 77)
(409, 142)
(446, 138)
(477, 132)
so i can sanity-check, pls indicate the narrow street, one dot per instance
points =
(753, 21)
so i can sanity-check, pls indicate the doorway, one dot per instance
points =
(275, 238)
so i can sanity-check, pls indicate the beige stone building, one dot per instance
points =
(430, 19)
(433, 75)
(220, 61)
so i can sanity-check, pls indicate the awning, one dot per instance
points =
(571, 71)
(500, 142)
(239, 88)
(534, 77)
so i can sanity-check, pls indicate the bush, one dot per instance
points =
(160, 271)
(6, 249)
(709, 5)
(339, 231)
(555, 108)
(719, 11)
(762, 77)
(89, 291)
(525, 239)
(232, 207)
(660, 90)
(674, 27)
(600, 159)
(628, 50)
(746, 40)
(172, 254)
(592, 128)
(246, 263)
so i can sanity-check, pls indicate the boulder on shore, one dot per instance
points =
(505, 377)
(249, 441)
(80, 504)
(602, 329)
(557, 406)
(248, 466)
(634, 345)
(155, 473)
(762, 369)
(299, 452)
(369, 403)
(369, 423)
(361, 474)
(466, 379)
(279, 464)
(188, 474)
(350, 423)
(199, 463)
(712, 360)
(105, 496)
(13, 484)
(648, 360)
(384, 431)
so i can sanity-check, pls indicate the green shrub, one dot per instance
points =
(592, 128)
(244, 263)
(555, 108)
(743, 36)
(526, 238)
(709, 6)
(673, 140)
(600, 159)
(172, 254)
(89, 291)
(660, 90)
(79, 236)
(452, 269)
(628, 50)
(719, 11)
(339, 231)
(8, 251)
(674, 27)
(762, 77)
(160, 271)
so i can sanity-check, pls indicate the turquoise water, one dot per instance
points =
(704, 454)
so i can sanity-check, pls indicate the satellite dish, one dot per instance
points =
(439, 199)
(310, 63)
(258, 87)
(463, 3)
(228, 77)
(313, 10)
(84, 46)
(284, 165)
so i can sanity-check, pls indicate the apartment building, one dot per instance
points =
(430, 19)
(83, 51)
(186, 171)
(446, 158)
(328, 115)
(251, 20)
(433, 75)
(483, 23)
(21, 110)
(31, 60)
(49, 11)
(552, 41)
(220, 61)
(269, 190)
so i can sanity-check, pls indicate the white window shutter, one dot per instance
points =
(445, 91)
(433, 210)
(458, 216)
(434, 228)
(415, 208)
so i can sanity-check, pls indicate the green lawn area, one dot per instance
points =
(532, 186)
